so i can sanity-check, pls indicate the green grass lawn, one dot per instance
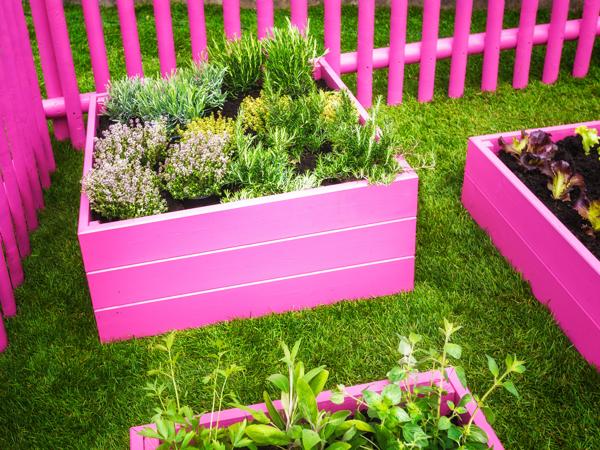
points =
(59, 388)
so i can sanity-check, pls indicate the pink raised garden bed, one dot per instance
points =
(248, 258)
(563, 273)
(454, 392)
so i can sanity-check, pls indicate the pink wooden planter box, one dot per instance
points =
(564, 275)
(251, 257)
(455, 391)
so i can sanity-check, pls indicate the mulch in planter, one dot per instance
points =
(570, 149)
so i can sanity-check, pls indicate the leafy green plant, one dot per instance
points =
(533, 150)
(562, 180)
(590, 211)
(242, 59)
(288, 67)
(589, 138)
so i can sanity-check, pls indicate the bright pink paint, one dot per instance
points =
(431, 20)
(7, 234)
(525, 43)
(530, 237)
(48, 62)
(264, 18)
(454, 391)
(131, 41)
(251, 257)
(398, 18)
(95, 33)
(491, 52)
(68, 79)
(458, 66)
(231, 19)
(333, 33)
(164, 37)
(585, 45)
(299, 13)
(364, 52)
(7, 298)
(3, 336)
(197, 29)
(560, 14)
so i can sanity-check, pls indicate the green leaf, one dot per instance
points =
(339, 446)
(273, 413)
(267, 435)
(455, 433)
(414, 434)
(310, 439)
(492, 366)
(149, 432)
(400, 414)
(453, 350)
(489, 414)
(372, 399)
(337, 397)
(460, 373)
(510, 387)
(444, 423)
(258, 416)
(476, 434)
(392, 393)
(280, 381)
(318, 382)
(358, 424)
(307, 401)
(396, 375)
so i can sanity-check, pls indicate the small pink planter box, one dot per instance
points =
(455, 391)
(563, 274)
(248, 258)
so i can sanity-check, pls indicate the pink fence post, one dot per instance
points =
(458, 66)
(131, 41)
(35, 97)
(332, 24)
(7, 233)
(95, 33)
(299, 14)
(556, 38)
(524, 43)
(164, 36)
(264, 17)
(68, 79)
(364, 49)
(587, 35)
(491, 52)
(48, 62)
(7, 297)
(231, 19)
(398, 18)
(3, 336)
(431, 20)
(197, 29)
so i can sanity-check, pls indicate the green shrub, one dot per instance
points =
(242, 60)
(289, 67)
(213, 124)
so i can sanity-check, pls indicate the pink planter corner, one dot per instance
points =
(564, 275)
(454, 392)
(248, 258)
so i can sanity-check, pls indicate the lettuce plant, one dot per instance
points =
(590, 211)
(562, 180)
(589, 138)
(532, 150)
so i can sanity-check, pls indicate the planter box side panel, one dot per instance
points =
(248, 222)
(256, 299)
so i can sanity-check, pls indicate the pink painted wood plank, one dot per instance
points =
(458, 66)
(3, 336)
(575, 322)
(556, 37)
(68, 79)
(524, 43)
(491, 52)
(398, 23)
(95, 33)
(231, 19)
(431, 20)
(48, 62)
(364, 71)
(585, 44)
(332, 33)
(164, 36)
(299, 14)
(264, 18)
(131, 41)
(255, 300)
(7, 298)
(35, 98)
(7, 233)
(252, 263)
(197, 29)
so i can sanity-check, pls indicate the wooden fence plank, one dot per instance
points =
(458, 66)
(398, 23)
(524, 44)
(431, 20)
(7, 297)
(197, 29)
(7, 233)
(131, 41)
(364, 49)
(587, 36)
(95, 33)
(491, 52)
(264, 17)
(299, 14)
(231, 19)
(3, 335)
(333, 33)
(556, 38)
(164, 37)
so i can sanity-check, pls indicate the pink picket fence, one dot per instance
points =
(65, 104)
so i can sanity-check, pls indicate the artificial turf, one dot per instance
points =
(59, 388)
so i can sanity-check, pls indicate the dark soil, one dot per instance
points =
(570, 150)
(232, 105)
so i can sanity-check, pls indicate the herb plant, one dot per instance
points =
(589, 138)
(590, 211)
(532, 150)
(562, 180)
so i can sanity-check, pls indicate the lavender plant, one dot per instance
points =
(196, 166)
(118, 188)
